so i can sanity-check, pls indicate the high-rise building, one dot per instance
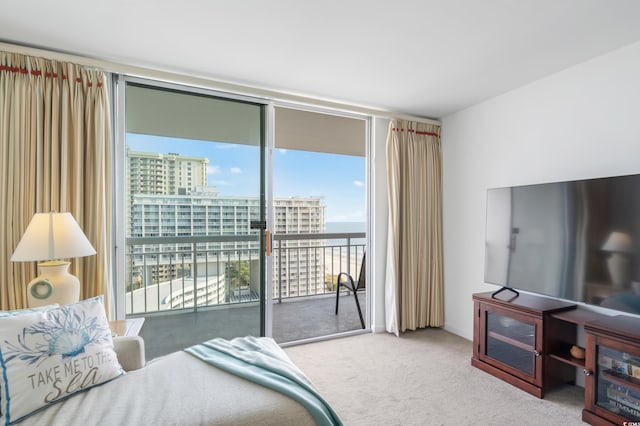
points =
(298, 264)
(185, 208)
(164, 174)
(153, 173)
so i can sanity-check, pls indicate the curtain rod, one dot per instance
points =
(203, 82)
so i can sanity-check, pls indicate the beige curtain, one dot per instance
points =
(55, 155)
(414, 287)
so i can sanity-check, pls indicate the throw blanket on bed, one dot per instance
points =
(262, 361)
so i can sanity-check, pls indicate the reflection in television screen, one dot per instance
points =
(575, 240)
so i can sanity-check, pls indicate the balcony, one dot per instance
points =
(191, 289)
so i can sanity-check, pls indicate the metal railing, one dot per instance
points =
(166, 274)
(321, 257)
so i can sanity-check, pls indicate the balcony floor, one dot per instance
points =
(293, 319)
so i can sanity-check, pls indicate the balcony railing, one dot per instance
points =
(308, 264)
(166, 274)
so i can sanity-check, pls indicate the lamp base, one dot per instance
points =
(54, 285)
(619, 270)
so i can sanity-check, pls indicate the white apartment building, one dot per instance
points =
(169, 208)
(164, 174)
(298, 264)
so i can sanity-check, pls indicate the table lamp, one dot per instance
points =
(52, 237)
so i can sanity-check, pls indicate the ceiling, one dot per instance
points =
(425, 58)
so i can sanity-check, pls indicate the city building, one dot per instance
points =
(164, 174)
(205, 235)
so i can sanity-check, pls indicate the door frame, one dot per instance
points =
(266, 186)
(369, 200)
(119, 181)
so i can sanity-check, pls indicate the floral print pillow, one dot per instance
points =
(21, 312)
(47, 356)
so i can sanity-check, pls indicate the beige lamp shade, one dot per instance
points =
(618, 242)
(52, 236)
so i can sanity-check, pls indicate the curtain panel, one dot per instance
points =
(414, 280)
(55, 155)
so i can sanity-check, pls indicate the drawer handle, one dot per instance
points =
(587, 372)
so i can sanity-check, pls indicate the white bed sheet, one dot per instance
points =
(177, 389)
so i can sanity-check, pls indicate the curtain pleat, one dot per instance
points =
(55, 155)
(414, 296)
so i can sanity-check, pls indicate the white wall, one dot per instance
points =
(380, 203)
(580, 123)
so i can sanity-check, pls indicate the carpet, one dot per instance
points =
(423, 378)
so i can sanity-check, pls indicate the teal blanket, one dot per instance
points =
(262, 361)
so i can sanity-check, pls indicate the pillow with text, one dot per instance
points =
(46, 356)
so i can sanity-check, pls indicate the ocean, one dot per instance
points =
(342, 227)
(331, 227)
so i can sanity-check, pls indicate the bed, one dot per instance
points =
(177, 389)
(220, 382)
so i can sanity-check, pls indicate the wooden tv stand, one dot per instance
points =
(526, 342)
(513, 338)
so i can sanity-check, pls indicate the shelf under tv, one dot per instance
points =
(555, 324)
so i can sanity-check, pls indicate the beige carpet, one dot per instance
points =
(423, 378)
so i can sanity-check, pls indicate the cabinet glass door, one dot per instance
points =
(511, 342)
(618, 384)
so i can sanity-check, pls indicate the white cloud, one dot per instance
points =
(282, 151)
(358, 183)
(235, 170)
(212, 170)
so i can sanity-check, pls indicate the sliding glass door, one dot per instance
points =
(319, 211)
(193, 214)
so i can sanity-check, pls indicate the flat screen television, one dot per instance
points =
(576, 240)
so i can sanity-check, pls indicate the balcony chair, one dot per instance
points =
(345, 280)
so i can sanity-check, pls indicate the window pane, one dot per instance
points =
(193, 184)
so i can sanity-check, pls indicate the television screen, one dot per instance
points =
(576, 240)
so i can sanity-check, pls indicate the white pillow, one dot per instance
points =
(20, 312)
(28, 310)
(47, 356)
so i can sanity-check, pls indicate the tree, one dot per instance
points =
(330, 281)
(237, 274)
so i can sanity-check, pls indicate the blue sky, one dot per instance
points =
(234, 170)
